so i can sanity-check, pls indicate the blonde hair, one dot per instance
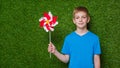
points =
(80, 8)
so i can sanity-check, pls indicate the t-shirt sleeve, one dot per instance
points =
(65, 48)
(97, 48)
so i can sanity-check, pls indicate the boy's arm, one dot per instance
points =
(62, 57)
(97, 61)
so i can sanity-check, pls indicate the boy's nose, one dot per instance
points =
(80, 19)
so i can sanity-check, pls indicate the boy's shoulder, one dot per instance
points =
(70, 35)
(93, 35)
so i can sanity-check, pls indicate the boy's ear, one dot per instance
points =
(73, 21)
(88, 19)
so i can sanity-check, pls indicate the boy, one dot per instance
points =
(81, 48)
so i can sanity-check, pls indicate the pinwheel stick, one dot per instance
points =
(50, 40)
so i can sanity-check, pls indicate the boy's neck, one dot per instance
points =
(81, 31)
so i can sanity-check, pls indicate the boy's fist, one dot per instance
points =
(51, 48)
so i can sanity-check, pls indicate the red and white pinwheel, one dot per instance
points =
(48, 21)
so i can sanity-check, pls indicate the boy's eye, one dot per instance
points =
(83, 17)
(77, 17)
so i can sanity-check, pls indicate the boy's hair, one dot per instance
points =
(80, 8)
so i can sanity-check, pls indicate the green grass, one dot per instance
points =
(23, 44)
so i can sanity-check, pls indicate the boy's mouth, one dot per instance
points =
(80, 23)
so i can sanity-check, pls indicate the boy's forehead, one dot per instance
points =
(81, 13)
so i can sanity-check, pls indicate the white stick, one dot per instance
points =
(50, 40)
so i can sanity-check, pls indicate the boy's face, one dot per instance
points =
(81, 19)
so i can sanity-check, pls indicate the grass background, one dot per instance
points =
(24, 45)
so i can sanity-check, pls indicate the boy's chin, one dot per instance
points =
(81, 27)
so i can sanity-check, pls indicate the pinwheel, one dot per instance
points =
(48, 22)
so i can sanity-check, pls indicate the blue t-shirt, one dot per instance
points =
(81, 49)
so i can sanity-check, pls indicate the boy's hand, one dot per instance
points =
(51, 48)
(62, 57)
